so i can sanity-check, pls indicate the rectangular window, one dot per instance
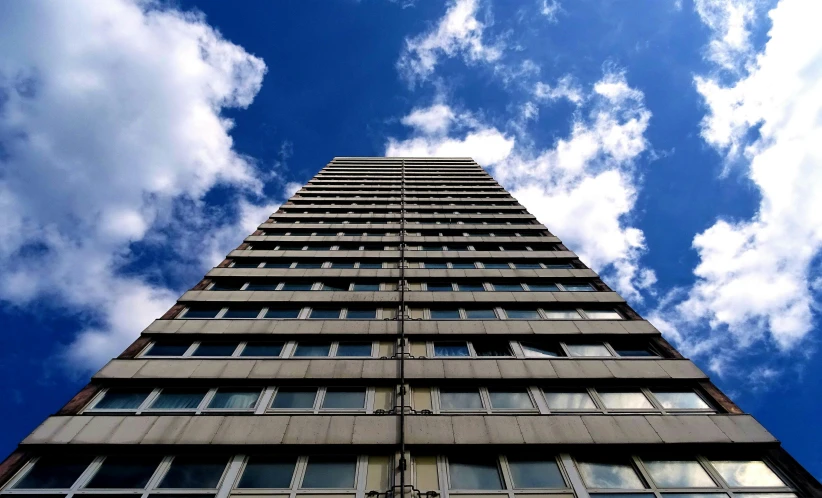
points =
(227, 286)
(179, 399)
(265, 472)
(579, 287)
(678, 474)
(276, 264)
(261, 348)
(282, 313)
(468, 473)
(510, 399)
(634, 351)
(522, 314)
(602, 315)
(325, 313)
(609, 475)
(344, 399)
(614, 400)
(313, 349)
(367, 286)
(371, 266)
(249, 264)
(235, 399)
(471, 288)
(531, 474)
(543, 287)
(527, 266)
(262, 286)
(460, 399)
(294, 398)
(583, 350)
(168, 348)
(201, 313)
(463, 266)
(215, 349)
(297, 286)
(445, 314)
(361, 314)
(747, 473)
(534, 350)
(684, 400)
(435, 265)
(451, 349)
(354, 349)
(124, 472)
(330, 473)
(562, 315)
(194, 472)
(122, 399)
(480, 314)
(342, 264)
(308, 265)
(439, 287)
(492, 348)
(569, 400)
(242, 313)
(493, 265)
(54, 472)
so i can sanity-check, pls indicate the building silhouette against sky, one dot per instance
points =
(402, 324)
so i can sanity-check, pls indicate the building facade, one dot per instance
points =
(402, 327)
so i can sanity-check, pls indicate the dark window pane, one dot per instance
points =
(535, 474)
(124, 472)
(457, 248)
(367, 286)
(262, 286)
(440, 287)
(267, 472)
(474, 474)
(562, 266)
(431, 248)
(297, 286)
(294, 398)
(480, 314)
(309, 265)
(242, 313)
(445, 314)
(179, 399)
(163, 348)
(450, 349)
(262, 349)
(354, 349)
(539, 350)
(460, 399)
(436, 266)
(496, 266)
(463, 266)
(313, 349)
(215, 349)
(246, 264)
(342, 264)
(327, 472)
(361, 314)
(235, 399)
(522, 314)
(333, 286)
(471, 288)
(505, 287)
(492, 348)
(227, 286)
(325, 313)
(543, 287)
(194, 472)
(508, 399)
(202, 313)
(578, 287)
(527, 266)
(371, 266)
(634, 352)
(277, 264)
(122, 399)
(344, 398)
(282, 313)
(54, 472)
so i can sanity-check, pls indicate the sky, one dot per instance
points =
(676, 145)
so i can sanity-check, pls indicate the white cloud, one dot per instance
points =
(431, 120)
(730, 22)
(583, 187)
(112, 119)
(458, 32)
(566, 88)
(550, 9)
(755, 277)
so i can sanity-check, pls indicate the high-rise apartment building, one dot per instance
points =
(402, 324)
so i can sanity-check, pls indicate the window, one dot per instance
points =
(607, 475)
(54, 472)
(282, 313)
(313, 349)
(460, 399)
(588, 350)
(492, 348)
(325, 313)
(510, 399)
(527, 266)
(747, 473)
(602, 315)
(235, 399)
(262, 286)
(267, 472)
(260, 348)
(579, 287)
(195, 313)
(344, 399)
(463, 266)
(543, 287)
(634, 351)
(243, 264)
(342, 264)
(471, 287)
(215, 349)
(330, 473)
(439, 287)
(167, 348)
(569, 400)
(294, 398)
(562, 315)
(276, 264)
(242, 313)
(308, 265)
(527, 473)
(227, 286)
(354, 349)
(522, 314)
(361, 314)
(678, 474)
(508, 287)
(685, 400)
(533, 350)
(371, 265)
(445, 314)
(194, 472)
(178, 399)
(614, 400)
(122, 399)
(366, 286)
(297, 286)
(451, 349)
(492, 265)
(467, 473)
(124, 472)
(480, 314)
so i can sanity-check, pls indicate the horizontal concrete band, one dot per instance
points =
(382, 429)
(430, 239)
(354, 298)
(415, 369)
(392, 255)
(390, 327)
(396, 226)
(484, 274)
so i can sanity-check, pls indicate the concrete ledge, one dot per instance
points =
(395, 255)
(411, 273)
(382, 429)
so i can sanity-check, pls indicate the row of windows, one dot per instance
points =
(396, 202)
(431, 265)
(454, 233)
(513, 286)
(396, 221)
(488, 400)
(330, 312)
(540, 348)
(299, 246)
(342, 209)
(684, 477)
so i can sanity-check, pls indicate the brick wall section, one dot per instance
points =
(11, 465)
(173, 312)
(666, 349)
(628, 312)
(243, 246)
(135, 348)
(202, 284)
(224, 263)
(79, 400)
(719, 398)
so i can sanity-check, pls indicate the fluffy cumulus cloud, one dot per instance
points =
(756, 277)
(110, 120)
(583, 187)
(730, 22)
(458, 32)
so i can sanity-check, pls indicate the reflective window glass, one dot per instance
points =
(527, 266)
(297, 286)
(476, 314)
(342, 264)
(166, 348)
(242, 313)
(471, 287)
(227, 286)
(562, 315)
(510, 399)
(436, 266)
(215, 349)
(528, 473)
(235, 399)
(361, 314)
(325, 313)
(354, 349)
(678, 474)
(492, 348)
(201, 313)
(439, 287)
(491, 265)
(366, 286)
(194, 472)
(474, 474)
(569, 400)
(277, 264)
(444, 314)
(179, 399)
(282, 313)
(122, 399)
(328, 472)
(308, 265)
(578, 287)
(625, 400)
(124, 472)
(532, 350)
(588, 350)
(686, 400)
(522, 314)
(262, 286)
(54, 472)
(602, 315)
(463, 266)
(260, 348)
(267, 472)
(339, 399)
(450, 349)
(634, 351)
(294, 398)
(543, 287)
(246, 264)
(460, 399)
(371, 265)
(747, 473)
(313, 349)
(503, 287)
(608, 475)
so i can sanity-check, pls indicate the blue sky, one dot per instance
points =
(674, 144)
